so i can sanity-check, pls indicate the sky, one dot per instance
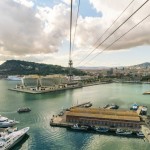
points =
(38, 31)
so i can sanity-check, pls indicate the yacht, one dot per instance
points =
(101, 129)
(78, 127)
(123, 132)
(8, 141)
(5, 122)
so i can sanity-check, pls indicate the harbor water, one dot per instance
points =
(43, 106)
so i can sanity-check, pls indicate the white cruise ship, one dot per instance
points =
(5, 122)
(14, 78)
(8, 141)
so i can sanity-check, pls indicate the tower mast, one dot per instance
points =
(70, 60)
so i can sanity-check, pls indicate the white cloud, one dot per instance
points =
(27, 3)
(30, 32)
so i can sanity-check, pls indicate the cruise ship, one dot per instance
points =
(8, 141)
(5, 122)
(14, 78)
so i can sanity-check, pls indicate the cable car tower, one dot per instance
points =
(70, 60)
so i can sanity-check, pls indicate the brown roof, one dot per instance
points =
(105, 111)
(102, 116)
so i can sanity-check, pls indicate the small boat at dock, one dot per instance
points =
(25, 109)
(123, 132)
(79, 127)
(111, 106)
(101, 129)
(140, 134)
(88, 105)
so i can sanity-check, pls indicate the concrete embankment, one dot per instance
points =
(25, 90)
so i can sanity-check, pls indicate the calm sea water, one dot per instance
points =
(43, 137)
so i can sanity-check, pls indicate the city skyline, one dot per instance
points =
(40, 32)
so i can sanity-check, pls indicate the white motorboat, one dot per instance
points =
(5, 122)
(9, 140)
(102, 129)
(123, 132)
(140, 134)
(78, 127)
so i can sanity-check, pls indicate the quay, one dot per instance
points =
(31, 91)
(127, 120)
(35, 84)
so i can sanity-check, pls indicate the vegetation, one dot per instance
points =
(17, 67)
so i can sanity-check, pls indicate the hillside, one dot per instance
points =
(17, 67)
(143, 65)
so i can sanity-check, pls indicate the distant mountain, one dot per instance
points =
(17, 67)
(143, 65)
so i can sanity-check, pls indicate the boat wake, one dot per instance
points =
(8, 112)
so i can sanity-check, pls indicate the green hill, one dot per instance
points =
(17, 67)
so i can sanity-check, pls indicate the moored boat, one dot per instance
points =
(5, 122)
(79, 127)
(134, 107)
(8, 141)
(111, 106)
(88, 105)
(123, 132)
(101, 129)
(140, 134)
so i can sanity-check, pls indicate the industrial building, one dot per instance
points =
(104, 117)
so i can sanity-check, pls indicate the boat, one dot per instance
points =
(6, 131)
(123, 132)
(111, 106)
(88, 105)
(25, 109)
(14, 78)
(140, 134)
(8, 141)
(102, 129)
(134, 107)
(143, 110)
(5, 122)
(79, 127)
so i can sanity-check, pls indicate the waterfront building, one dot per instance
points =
(30, 81)
(104, 117)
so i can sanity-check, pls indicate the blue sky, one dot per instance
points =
(42, 27)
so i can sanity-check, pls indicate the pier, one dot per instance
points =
(126, 120)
